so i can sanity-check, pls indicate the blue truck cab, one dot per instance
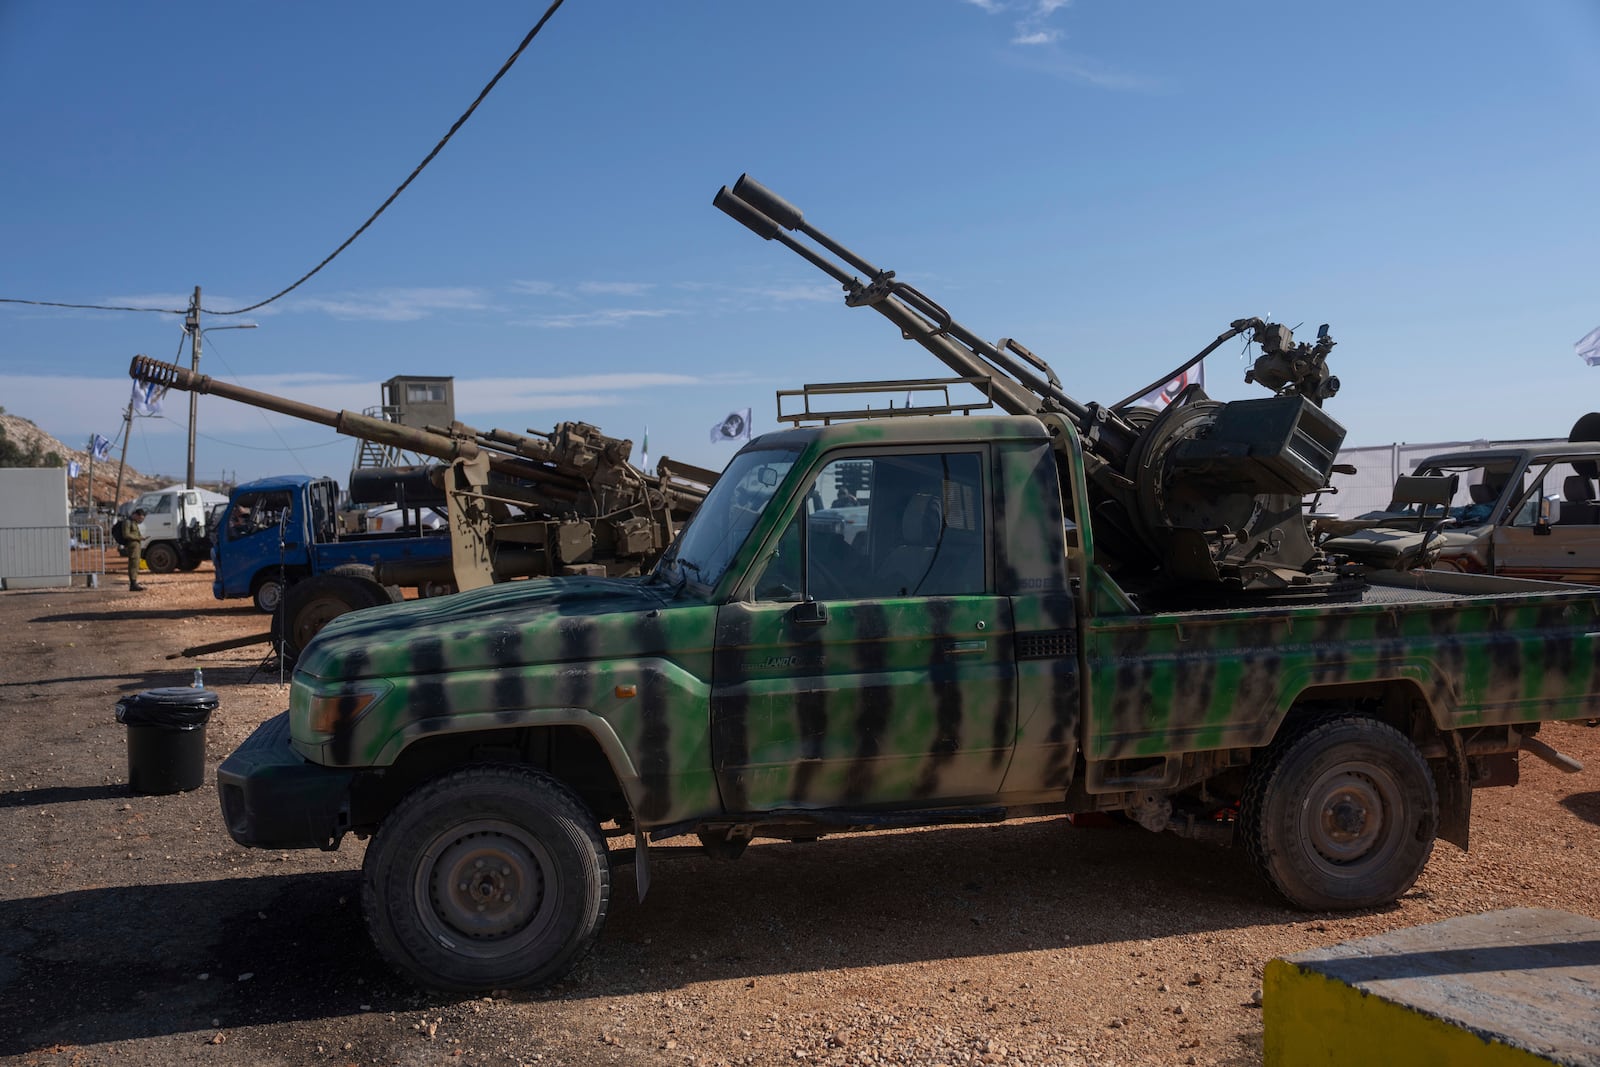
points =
(281, 530)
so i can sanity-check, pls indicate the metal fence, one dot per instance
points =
(51, 555)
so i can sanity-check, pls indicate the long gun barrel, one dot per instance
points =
(1200, 494)
(439, 446)
(564, 501)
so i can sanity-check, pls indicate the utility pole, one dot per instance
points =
(127, 435)
(192, 325)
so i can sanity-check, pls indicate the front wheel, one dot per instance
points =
(161, 558)
(1340, 814)
(492, 877)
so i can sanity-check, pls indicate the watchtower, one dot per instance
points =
(410, 400)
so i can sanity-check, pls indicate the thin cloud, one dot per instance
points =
(1037, 37)
(397, 305)
(615, 288)
(602, 317)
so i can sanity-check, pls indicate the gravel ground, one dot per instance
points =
(133, 931)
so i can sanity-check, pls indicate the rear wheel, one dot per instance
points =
(311, 604)
(1340, 813)
(488, 878)
(161, 558)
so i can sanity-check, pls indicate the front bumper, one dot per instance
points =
(273, 798)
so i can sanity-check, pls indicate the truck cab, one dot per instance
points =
(1523, 512)
(176, 527)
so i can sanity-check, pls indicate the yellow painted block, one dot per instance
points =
(1515, 988)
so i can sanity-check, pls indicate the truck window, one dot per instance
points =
(718, 530)
(253, 512)
(897, 526)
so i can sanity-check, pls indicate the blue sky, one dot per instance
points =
(1108, 181)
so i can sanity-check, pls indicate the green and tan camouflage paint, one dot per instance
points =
(917, 702)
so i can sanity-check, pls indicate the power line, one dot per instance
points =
(551, 10)
(506, 66)
(90, 307)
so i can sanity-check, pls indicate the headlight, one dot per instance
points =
(327, 712)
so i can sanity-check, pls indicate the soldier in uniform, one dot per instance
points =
(133, 540)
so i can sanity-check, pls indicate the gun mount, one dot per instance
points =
(1199, 499)
(519, 505)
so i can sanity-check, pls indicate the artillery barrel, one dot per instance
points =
(1018, 388)
(349, 423)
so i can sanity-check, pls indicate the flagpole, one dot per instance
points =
(91, 471)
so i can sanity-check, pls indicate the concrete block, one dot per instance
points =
(1514, 988)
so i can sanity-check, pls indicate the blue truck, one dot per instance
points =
(280, 541)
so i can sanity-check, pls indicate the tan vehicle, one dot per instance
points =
(1530, 512)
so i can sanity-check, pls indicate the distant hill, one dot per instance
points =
(25, 445)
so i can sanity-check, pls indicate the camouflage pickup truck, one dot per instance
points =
(950, 651)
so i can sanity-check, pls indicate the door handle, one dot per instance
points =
(966, 648)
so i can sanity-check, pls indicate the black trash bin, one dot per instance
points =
(167, 738)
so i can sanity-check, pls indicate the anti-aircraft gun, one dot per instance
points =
(1196, 503)
(519, 505)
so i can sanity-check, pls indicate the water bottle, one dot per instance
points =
(199, 680)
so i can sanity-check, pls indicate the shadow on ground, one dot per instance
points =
(120, 963)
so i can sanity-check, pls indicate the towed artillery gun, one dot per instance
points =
(518, 505)
(1199, 503)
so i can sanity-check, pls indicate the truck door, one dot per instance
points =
(1554, 531)
(257, 533)
(866, 660)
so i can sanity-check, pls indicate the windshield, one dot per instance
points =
(1479, 487)
(708, 544)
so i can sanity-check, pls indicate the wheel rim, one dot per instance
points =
(1349, 819)
(486, 888)
(316, 614)
(268, 597)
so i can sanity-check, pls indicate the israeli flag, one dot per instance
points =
(1589, 348)
(146, 398)
(99, 446)
(73, 470)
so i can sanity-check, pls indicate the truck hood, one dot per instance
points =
(541, 620)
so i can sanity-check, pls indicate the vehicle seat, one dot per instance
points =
(1578, 506)
(908, 563)
(1482, 494)
(1402, 543)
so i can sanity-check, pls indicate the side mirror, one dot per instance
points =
(1549, 514)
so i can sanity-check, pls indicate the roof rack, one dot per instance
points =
(938, 390)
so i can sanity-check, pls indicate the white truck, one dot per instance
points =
(177, 528)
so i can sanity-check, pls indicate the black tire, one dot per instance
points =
(311, 604)
(492, 877)
(367, 574)
(161, 558)
(1340, 813)
(191, 563)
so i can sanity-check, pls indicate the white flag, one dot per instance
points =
(734, 427)
(1160, 398)
(147, 398)
(99, 446)
(1589, 348)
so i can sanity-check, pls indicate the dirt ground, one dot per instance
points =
(133, 930)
